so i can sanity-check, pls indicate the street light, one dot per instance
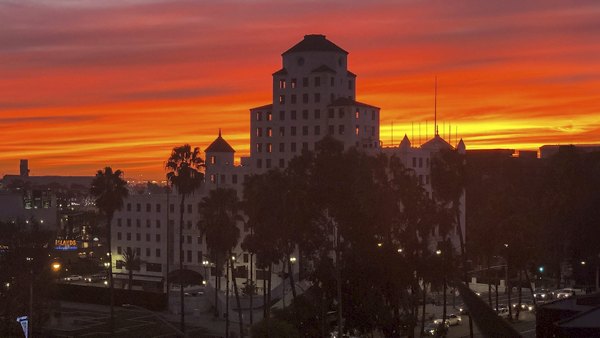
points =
(582, 262)
(293, 259)
(438, 252)
(56, 266)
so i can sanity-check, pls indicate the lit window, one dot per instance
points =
(213, 159)
(357, 130)
(269, 116)
(269, 132)
(293, 83)
(259, 147)
(213, 178)
(281, 99)
(269, 147)
(258, 116)
(259, 132)
(357, 114)
(282, 84)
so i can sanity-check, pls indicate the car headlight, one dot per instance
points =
(530, 308)
(543, 296)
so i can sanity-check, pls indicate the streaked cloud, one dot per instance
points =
(86, 83)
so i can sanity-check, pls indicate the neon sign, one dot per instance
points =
(65, 244)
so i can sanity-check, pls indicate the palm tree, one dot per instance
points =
(131, 262)
(110, 190)
(183, 173)
(220, 214)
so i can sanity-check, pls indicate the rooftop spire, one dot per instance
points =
(219, 132)
(435, 126)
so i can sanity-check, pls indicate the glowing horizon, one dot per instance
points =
(90, 84)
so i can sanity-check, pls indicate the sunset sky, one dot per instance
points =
(90, 83)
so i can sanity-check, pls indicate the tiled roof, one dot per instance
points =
(219, 146)
(315, 43)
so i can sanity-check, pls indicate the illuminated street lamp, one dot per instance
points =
(438, 252)
(380, 244)
(582, 262)
(56, 266)
(293, 259)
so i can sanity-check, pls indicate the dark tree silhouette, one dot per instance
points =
(110, 190)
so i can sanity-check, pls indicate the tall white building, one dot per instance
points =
(314, 94)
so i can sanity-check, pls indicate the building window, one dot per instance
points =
(293, 131)
(268, 163)
(269, 116)
(281, 99)
(305, 114)
(158, 237)
(118, 236)
(189, 223)
(258, 133)
(119, 264)
(281, 163)
(147, 252)
(305, 130)
(426, 179)
(293, 99)
(258, 116)
(293, 115)
(189, 239)
(305, 98)
(259, 147)
(293, 147)
(148, 207)
(317, 130)
(281, 147)
(293, 83)
(349, 84)
(341, 129)
(331, 130)
(282, 84)
(200, 258)
(234, 179)
(281, 131)
(129, 222)
(199, 240)
(372, 115)
(189, 256)
(372, 131)
(138, 223)
(332, 97)
(357, 115)
(147, 223)
(128, 206)
(331, 113)
(119, 222)
(259, 163)
(305, 82)
(138, 237)
(332, 81)
(420, 162)
(157, 207)
(317, 97)
(281, 115)
(157, 253)
(158, 224)
(138, 207)
(172, 208)
(317, 113)
(213, 178)
(304, 146)
(341, 113)
(269, 132)
(318, 81)
(414, 162)
(357, 130)
(119, 250)
(269, 148)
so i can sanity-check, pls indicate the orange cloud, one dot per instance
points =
(89, 84)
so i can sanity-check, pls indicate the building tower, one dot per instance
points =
(24, 168)
(313, 96)
(219, 162)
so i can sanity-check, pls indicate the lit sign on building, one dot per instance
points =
(65, 244)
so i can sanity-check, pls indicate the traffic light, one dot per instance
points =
(541, 269)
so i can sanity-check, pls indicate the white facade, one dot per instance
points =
(313, 96)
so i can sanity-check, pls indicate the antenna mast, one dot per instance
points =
(435, 110)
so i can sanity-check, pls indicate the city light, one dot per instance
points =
(438, 252)
(582, 262)
(400, 250)
(56, 266)
(380, 244)
(293, 259)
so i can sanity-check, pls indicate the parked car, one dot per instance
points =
(463, 310)
(73, 278)
(451, 320)
(565, 293)
(95, 278)
(433, 329)
(524, 306)
(542, 294)
(502, 311)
